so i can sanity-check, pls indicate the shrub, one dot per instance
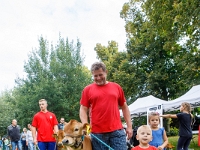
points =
(173, 131)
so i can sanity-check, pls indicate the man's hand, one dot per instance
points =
(129, 132)
(35, 141)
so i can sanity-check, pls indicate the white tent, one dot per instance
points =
(192, 97)
(139, 107)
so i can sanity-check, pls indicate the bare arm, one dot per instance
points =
(169, 116)
(55, 128)
(83, 114)
(127, 117)
(165, 139)
(27, 138)
(33, 129)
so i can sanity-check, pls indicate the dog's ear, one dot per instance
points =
(86, 129)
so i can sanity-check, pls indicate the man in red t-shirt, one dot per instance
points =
(100, 101)
(46, 124)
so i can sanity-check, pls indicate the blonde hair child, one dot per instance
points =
(185, 130)
(144, 136)
(160, 139)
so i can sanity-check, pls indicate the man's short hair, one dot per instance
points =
(41, 100)
(14, 120)
(62, 119)
(97, 66)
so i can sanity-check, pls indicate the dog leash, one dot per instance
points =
(110, 148)
(88, 131)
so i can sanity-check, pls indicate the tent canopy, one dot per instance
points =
(192, 97)
(139, 107)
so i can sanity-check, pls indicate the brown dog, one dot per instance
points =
(75, 137)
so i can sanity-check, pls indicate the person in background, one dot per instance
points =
(61, 124)
(23, 139)
(46, 124)
(144, 136)
(6, 143)
(1, 143)
(29, 138)
(185, 121)
(160, 139)
(101, 101)
(13, 132)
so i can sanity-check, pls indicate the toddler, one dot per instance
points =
(144, 136)
(160, 139)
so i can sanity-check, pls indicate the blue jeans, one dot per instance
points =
(47, 145)
(7, 147)
(31, 146)
(24, 146)
(116, 140)
(16, 143)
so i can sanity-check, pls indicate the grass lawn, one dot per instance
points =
(193, 145)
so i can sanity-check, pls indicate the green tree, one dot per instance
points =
(107, 54)
(57, 75)
(162, 47)
(117, 65)
(156, 46)
(7, 111)
(162, 56)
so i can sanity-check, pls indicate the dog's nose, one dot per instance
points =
(65, 141)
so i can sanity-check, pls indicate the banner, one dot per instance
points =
(158, 109)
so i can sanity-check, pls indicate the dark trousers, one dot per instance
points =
(183, 143)
(24, 146)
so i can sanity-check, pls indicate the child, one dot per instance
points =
(144, 136)
(1, 143)
(160, 139)
(6, 143)
(185, 130)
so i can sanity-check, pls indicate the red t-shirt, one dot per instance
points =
(45, 122)
(103, 102)
(149, 148)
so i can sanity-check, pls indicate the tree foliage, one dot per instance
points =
(162, 39)
(117, 65)
(56, 74)
(7, 112)
(162, 49)
(162, 59)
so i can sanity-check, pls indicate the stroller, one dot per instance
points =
(133, 141)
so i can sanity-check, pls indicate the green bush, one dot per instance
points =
(173, 131)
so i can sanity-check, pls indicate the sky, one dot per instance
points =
(24, 21)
